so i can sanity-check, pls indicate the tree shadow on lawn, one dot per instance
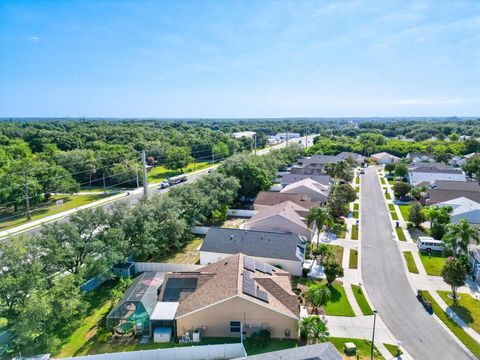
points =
(462, 313)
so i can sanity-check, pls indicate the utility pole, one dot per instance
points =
(27, 200)
(144, 167)
(213, 157)
(136, 173)
(375, 312)
(103, 177)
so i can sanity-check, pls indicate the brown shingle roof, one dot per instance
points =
(457, 185)
(289, 210)
(437, 195)
(271, 198)
(223, 279)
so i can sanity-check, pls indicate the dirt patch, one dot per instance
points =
(234, 223)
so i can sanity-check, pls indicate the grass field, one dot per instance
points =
(188, 255)
(412, 267)
(361, 300)
(393, 349)
(9, 220)
(353, 261)
(400, 233)
(354, 232)
(468, 308)
(466, 339)
(405, 210)
(433, 264)
(363, 347)
(159, 173)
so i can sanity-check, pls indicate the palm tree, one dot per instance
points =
(319, 217)
(312, 329)
(438, 217)
(339, 170)
(317, 296)
(458, 237)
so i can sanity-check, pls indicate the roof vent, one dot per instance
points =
(231, 237)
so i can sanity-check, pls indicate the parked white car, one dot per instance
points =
(429, 244)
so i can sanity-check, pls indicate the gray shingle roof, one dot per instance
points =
(253, 243)
(291, 178)
(323, 351)
(271, 198)
(457, 185)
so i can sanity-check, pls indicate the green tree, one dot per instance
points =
(416, 191)
(313, 330)
(177, 157)
(454, 274)
(416, 214)
(458, 236)
(390, 167)
(438, 217)
(324, 251)
(317, 296)
(332, 271)
(401, 170)
(252, 178)
(340, 170)
(340, 198)
(220, 151)
(317, 219)
(472, 167)
(401, 189)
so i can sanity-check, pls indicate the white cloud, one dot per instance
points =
(34, 38)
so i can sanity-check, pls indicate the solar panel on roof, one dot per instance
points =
(248, 263)
(250, 288)
(260, 266)
(261, 295)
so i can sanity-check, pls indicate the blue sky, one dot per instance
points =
(239, 58)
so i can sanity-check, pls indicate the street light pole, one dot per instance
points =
(375, 312)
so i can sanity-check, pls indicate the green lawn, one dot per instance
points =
(9, 220)
(357, 180)
(356, 214)
(382, 180)
(159, 173)
(356, 206)
(354, 232)
(391, 207)
(353, 261)
(363, 346)
(400, 233)
(188, 255)
(357, 189)
(273, 345)
(394, 215)
(405, 210)
(338, 252)
(412, 267)
(393, 349)
(433, 264)
(468, 308)
(361, 300)
(388, 196)
(466, 339)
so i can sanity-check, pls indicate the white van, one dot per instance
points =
(429, 244)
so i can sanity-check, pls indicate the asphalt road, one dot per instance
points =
(387, 285)
(136, 195)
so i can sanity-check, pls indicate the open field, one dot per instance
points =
(9, 220)
(159, 173)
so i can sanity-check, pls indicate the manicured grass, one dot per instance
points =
(47, 209)
(388, 196)
(356, 206)
(338, 304)
(357, 180)
(466, 339)
(363, 346)
(382, 180)
(468, 308)
(338, 252)
(188, 255)
(433, 264)
(356, 214)
(159, 173)
(412, 267)
(354, 232)
(400, 233)
(393, 349)
(361, 300)
(394, 215)
(405, 210)
(391, 207)
(357, 189)
(353, 261)
(273, 345)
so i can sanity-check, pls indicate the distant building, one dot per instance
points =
(420, 157)
(385, 158)
(283, 136)
(431, 172)
(288, 179)
(441, 191)
(241, 134)
(271, 198)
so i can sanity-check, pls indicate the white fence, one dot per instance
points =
(163, 267)
(241, 212)
(199, 230)
(201, 352)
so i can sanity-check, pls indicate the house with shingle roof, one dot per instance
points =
(286, 217)
(288, 179)
(385, 158)
(420, 157)
(308, 187)
(284, 250)
(221, 299)
(322, 351)
(463, 208)
(432, 172)
(270, 198)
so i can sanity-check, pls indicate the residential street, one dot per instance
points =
(387, 284)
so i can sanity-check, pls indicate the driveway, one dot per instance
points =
(387, 284)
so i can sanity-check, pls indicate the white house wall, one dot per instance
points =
(418, 177)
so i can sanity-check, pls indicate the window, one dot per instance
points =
(235, 326)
